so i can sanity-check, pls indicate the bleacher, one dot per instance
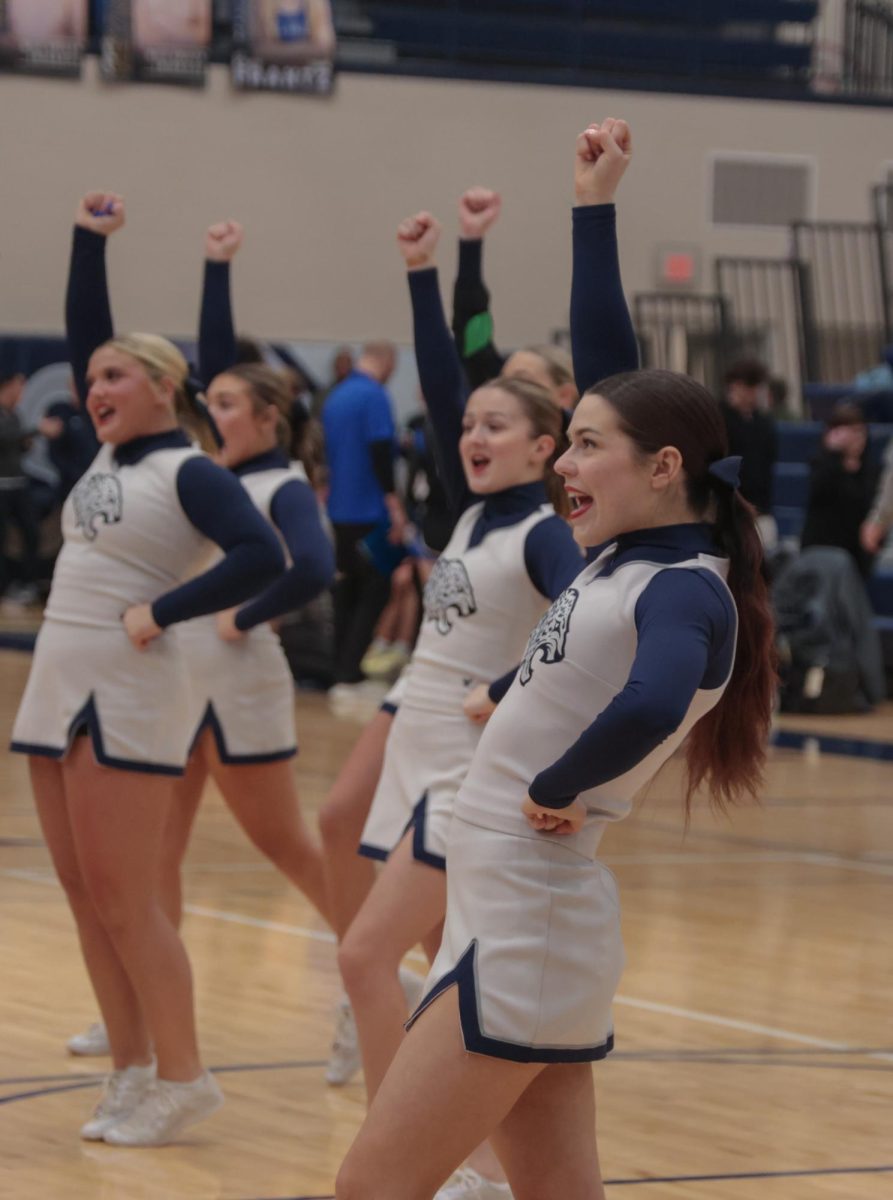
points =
(798, 444)
(736, 41)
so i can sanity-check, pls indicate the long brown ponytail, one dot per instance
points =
(726, 750)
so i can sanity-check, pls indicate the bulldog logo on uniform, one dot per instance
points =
(548, 640)
(448, 587)
(97, 498)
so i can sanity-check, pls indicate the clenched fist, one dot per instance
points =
(603, 153)
(479, 209)
(101, 212)
(223, 240)
(417, 238)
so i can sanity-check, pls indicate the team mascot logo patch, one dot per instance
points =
(448, 587)
(97, 498)
(547, 641)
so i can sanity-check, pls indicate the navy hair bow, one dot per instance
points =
(727, 471)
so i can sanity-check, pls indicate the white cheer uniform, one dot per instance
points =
(127, 541)
(243, 691)
(479, 606)
(532, 935)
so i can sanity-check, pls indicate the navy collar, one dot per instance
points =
(523, 498)
(128, 454)
(664, 544)
(268, 461)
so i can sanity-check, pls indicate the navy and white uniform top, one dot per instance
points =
(243, 690)
(139, 522)
(614, 676)
(141, 519)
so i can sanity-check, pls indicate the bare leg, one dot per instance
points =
(407, 902)
(118, 823)
(434, 1106)
(117, 999)
(177, 831)
(350, 877)
(263, 797)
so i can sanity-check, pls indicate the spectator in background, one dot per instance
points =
(30, 24)
(164, 23)
(293, 29)
(360, 443)
(842, 487)
(752, 434)
(342, 365)
(72, 441)
(16, 502)
(880, 520)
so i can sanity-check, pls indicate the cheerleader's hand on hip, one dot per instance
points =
(478, 706)
(227, 629)
(140, 626)
(554, 820)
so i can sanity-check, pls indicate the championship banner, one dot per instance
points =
(283, 46)
(43, 37)
(157, 41)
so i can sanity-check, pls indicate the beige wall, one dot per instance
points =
(321, 185)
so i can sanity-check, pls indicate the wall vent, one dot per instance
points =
(756, 191)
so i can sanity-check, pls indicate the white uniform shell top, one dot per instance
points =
(577, 660)
(127, 541)
(122, 546)
(243, 690)
(480, 604)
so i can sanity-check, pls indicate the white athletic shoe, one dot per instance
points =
(94, 1040)
(122, 1093)
(468, 1184)
(166, 1109)
(344, 1057)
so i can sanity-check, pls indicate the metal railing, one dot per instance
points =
(684, 332)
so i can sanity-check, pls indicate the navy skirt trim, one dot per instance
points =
(87, 721)
(464, 977)
(417, 823)
(211, 721)
(376, 852)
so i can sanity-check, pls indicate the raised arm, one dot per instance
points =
(602, 335)
(440, 372)
(88, 313)
(479, 210)
(216, 330)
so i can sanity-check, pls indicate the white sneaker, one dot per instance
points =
(344, 1057)
(94, 1040)
(413, 989)
(122, 1093)
(468, 1184)
(166, 1109)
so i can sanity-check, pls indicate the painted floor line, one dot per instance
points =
(654, 1006)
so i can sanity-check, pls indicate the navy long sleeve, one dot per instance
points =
(472, 321)
(295, 512)
(442, 381)
(220, 508)
(686, 629)
(602, 336)
(217, 350)
(552, 557)
(88, 312)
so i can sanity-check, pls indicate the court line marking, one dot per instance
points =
(654, 1006)
(818, 1172)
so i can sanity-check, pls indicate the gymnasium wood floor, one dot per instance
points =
(755, 1046)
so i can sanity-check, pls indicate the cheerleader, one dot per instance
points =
(637, 654)
(599, 309)
(104, 717)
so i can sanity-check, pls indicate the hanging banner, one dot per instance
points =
(157, 41)
(283, 45)
(43, 37)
